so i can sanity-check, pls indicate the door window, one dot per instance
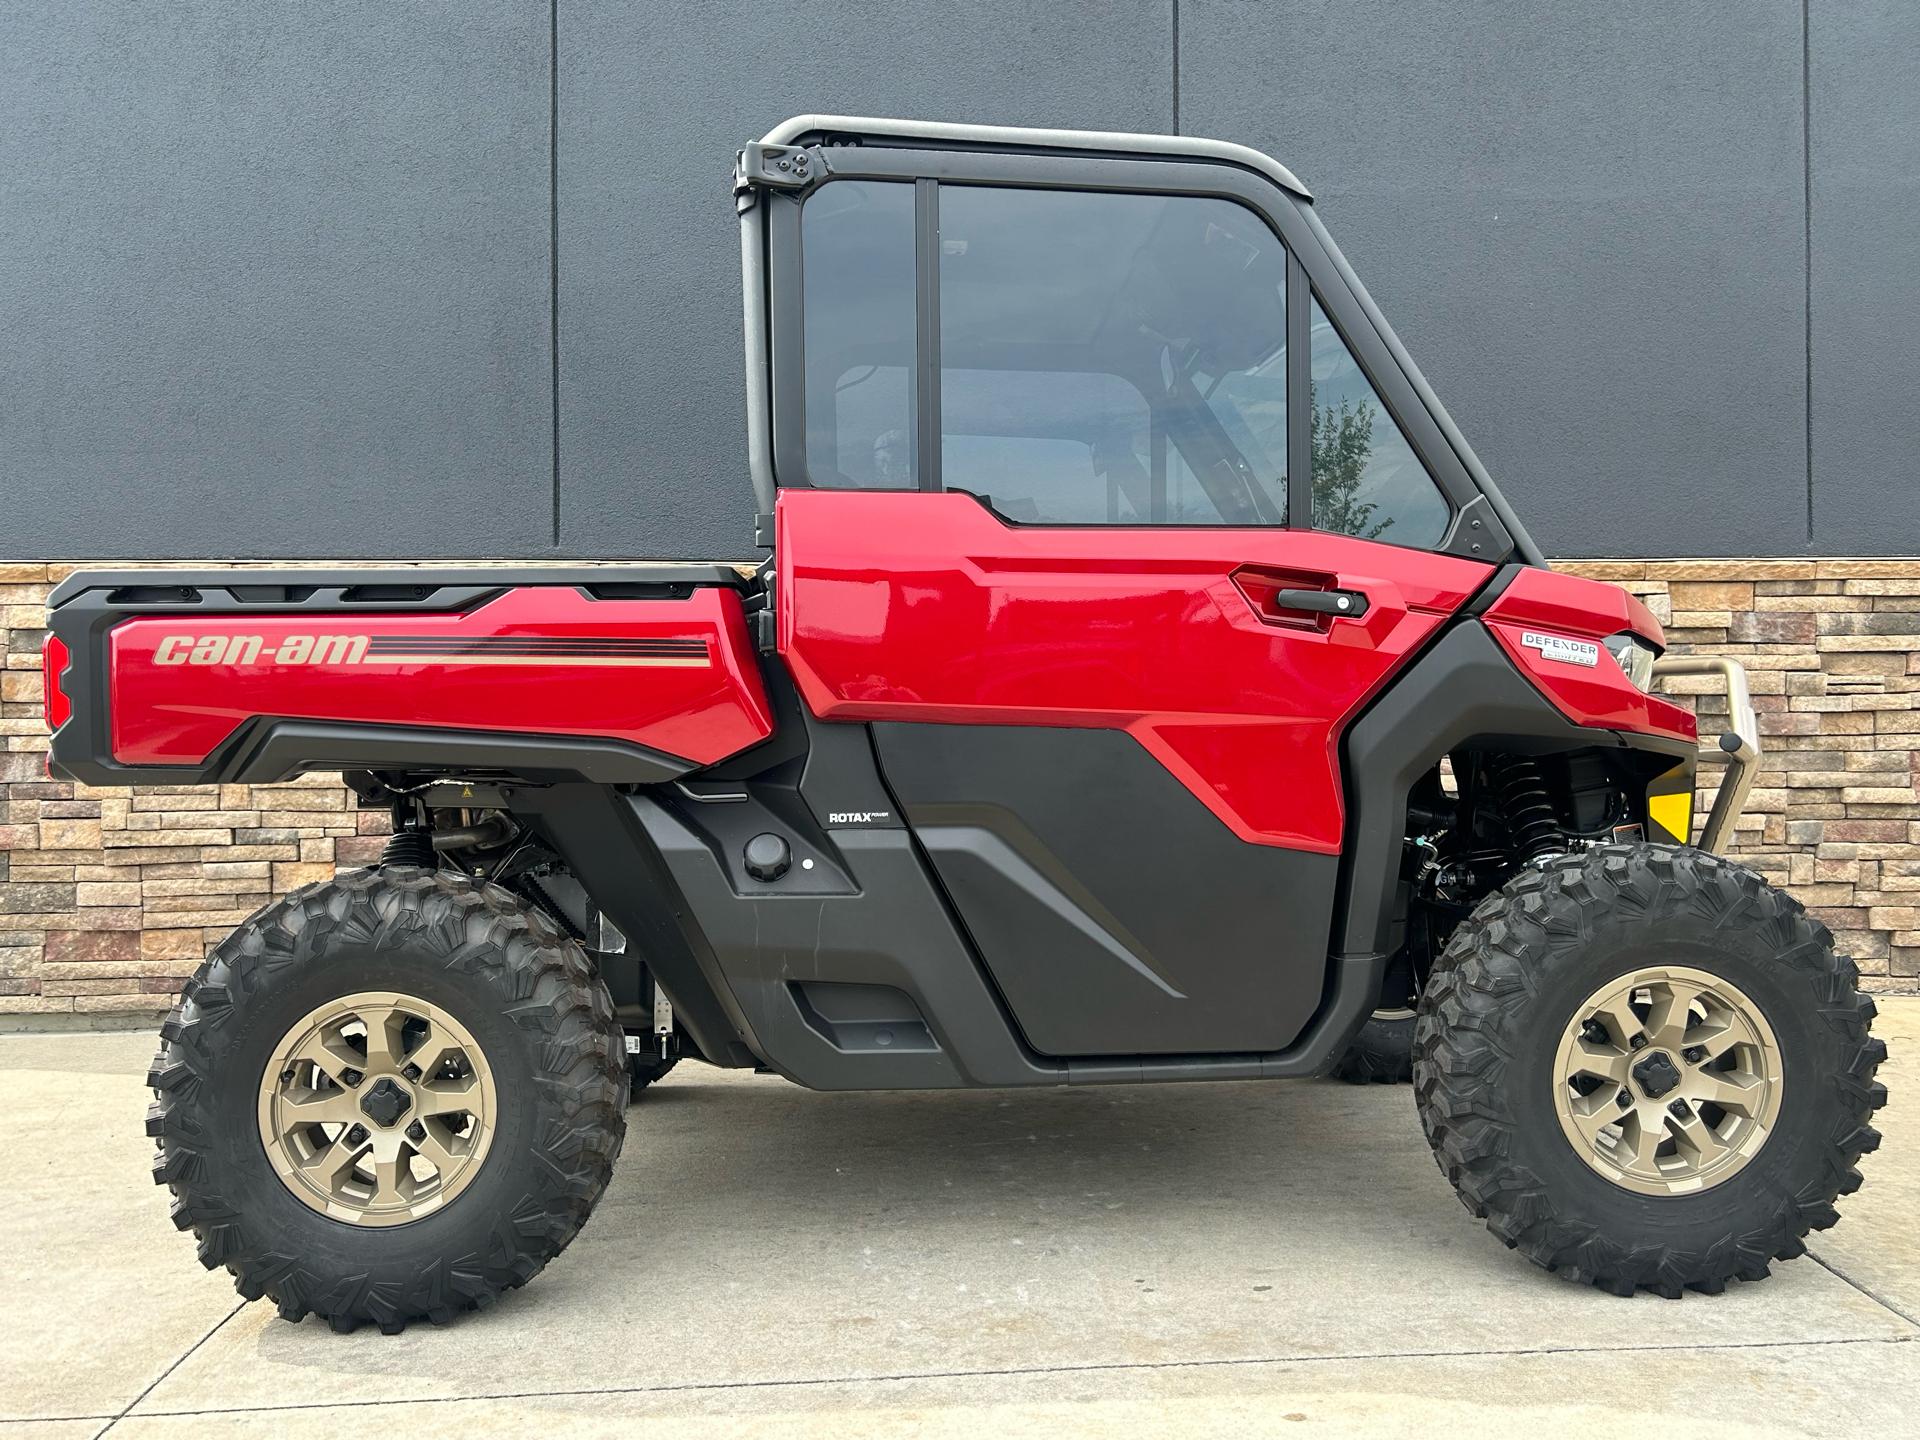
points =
(1112, 358)
(1366, 479)
(1102, 358)
(857, 289)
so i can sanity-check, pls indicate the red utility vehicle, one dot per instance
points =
(1147, 683)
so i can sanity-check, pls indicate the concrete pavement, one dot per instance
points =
(1206, 1260)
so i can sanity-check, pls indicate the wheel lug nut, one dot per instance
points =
(416, 1132)
(1624, 1098)
(351, 1078)
(1679, 1110)
(1694, 1054)
(355, 1135)
(1637, 1042)
(412, 1072)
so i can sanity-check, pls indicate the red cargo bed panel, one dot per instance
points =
(673, 675)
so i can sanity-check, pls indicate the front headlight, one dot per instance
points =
(1634, 656)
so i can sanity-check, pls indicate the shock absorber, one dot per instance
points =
(1527, 807)
(412, 842)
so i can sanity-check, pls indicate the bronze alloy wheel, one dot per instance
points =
(436, 1075)
(1668, 1081)
(1642, 1065)
(377, 1108)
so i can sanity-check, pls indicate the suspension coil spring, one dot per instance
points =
(1528, 809)
(410, 847)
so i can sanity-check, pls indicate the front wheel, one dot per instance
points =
(388, 1098)
(647, 1068)
(1644, 1066)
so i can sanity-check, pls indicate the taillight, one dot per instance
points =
(53, 661)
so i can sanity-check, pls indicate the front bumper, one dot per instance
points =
(1738, 746)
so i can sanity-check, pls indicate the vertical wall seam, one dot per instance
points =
(1806, 196)
(553, 242)
(1176, 66)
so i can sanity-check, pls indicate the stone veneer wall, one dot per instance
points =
(1832, 653)
(110, 897)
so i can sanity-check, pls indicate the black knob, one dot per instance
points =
(768, 857)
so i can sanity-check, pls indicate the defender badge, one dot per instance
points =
(1558, 647)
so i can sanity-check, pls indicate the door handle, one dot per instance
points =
(1350, 604)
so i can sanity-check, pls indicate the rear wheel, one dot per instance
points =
(390, 1097)
(1382, 1052)
(1644, 1066)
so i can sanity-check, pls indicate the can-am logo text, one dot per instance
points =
(249, 650)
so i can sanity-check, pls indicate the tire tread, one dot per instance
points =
(546, 987)
(1381, 1054)
(1471, 1008)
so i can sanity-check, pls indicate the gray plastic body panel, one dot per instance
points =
(897, 931)
(894, 932)
(606, 846)
(1117, 914)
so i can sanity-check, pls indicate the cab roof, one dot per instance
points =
(1186, 147)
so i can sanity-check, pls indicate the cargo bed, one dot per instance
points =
(621, 674)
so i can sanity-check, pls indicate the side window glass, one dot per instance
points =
(857, 299)
(1366, 479)
(1111, 358)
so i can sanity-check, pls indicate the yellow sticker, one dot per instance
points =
(1673, 813)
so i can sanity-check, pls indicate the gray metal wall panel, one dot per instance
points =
(276, 280)
(653, 435)
(1865, 116)
(1587, 225)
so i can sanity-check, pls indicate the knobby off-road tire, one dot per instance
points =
(499, 978)
(1499, 1017)
(645, 1070)
(1382, 1053)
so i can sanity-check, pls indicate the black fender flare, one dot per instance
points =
(1464, 687)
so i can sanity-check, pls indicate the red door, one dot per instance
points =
(928, 607)
(1052, 456)
(1119, 750)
